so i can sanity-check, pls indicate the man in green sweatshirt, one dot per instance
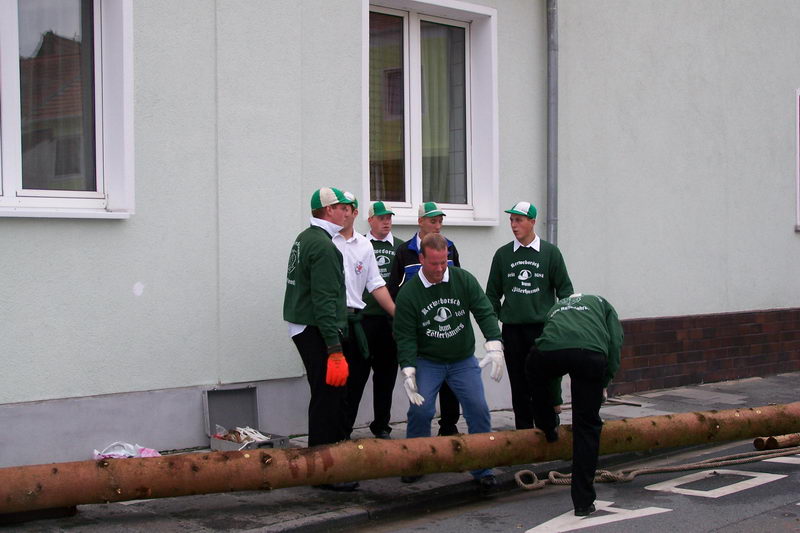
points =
(315, 309)
(376, 322)
(582, 337)
(526, 276)
(436, 344)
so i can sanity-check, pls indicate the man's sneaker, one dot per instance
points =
(447, 431)
(410, 479)
(584, 511)
(383, 435)
(487, 483)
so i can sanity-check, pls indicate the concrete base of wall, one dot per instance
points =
(172, 419)
(669, 352)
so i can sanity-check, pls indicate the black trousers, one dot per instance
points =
(586, 370)
(518, 340)
(358, 367)
(326, 410)
(383, 361)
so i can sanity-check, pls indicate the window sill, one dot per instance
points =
(49, 212)
(448, 221)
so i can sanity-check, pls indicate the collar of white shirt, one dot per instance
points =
(330, 227)
(536, 244)
(427, 284)
(352, 238)
(388, 237)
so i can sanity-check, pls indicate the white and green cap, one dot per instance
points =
(430, 209)
(525, 209)
(352, 197)
(379, 208)
(329, 196)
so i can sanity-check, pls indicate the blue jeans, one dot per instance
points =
(464, 378)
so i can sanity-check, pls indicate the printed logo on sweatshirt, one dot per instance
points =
(294, 258)
(568, 304)
(441, 301)
(382, 260)
(442, 314)
(447, 322)
(525, 274)
(524, 262)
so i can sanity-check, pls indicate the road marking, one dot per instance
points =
(792, 460)
(569, 522)
(132, 502)
(756, 479)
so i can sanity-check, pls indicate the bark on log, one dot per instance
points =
(27, 488)
(778, 441)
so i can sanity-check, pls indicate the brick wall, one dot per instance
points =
(673, 351)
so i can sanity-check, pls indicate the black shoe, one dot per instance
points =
(383, 435)
(487, 483)
(410, 479)
(447, 431)
(344, 486)
(584, 511)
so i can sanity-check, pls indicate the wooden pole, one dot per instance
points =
(27, 488)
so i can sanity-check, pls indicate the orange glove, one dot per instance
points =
(337, 373)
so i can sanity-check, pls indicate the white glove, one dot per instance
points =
(410, 383)
(494, 355)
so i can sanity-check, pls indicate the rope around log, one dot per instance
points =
(606, 476)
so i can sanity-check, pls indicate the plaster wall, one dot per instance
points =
(676, 181)
(102, 306)
(239, 116)
(677, 153)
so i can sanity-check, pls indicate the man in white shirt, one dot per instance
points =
(360, 273)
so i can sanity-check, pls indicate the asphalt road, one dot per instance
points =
(751, 497)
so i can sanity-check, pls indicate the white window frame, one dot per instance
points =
(480, 22)
(113, 49)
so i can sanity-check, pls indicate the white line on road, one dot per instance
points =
(792, 460)
(756, 479)
(569, 522)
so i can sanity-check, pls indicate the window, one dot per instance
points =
(431, 109)
(66, 131)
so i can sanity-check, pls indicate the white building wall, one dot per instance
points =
(676, 182)
(289, 122)
(677, 153)
(104, 306)
(239, 115)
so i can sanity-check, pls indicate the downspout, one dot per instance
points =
(552, 121)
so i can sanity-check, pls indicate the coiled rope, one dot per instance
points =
(606, 476)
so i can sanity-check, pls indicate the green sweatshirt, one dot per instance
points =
(315, 285)
(527, 281)
(584, 321)
(384, 255)
(434, 322)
